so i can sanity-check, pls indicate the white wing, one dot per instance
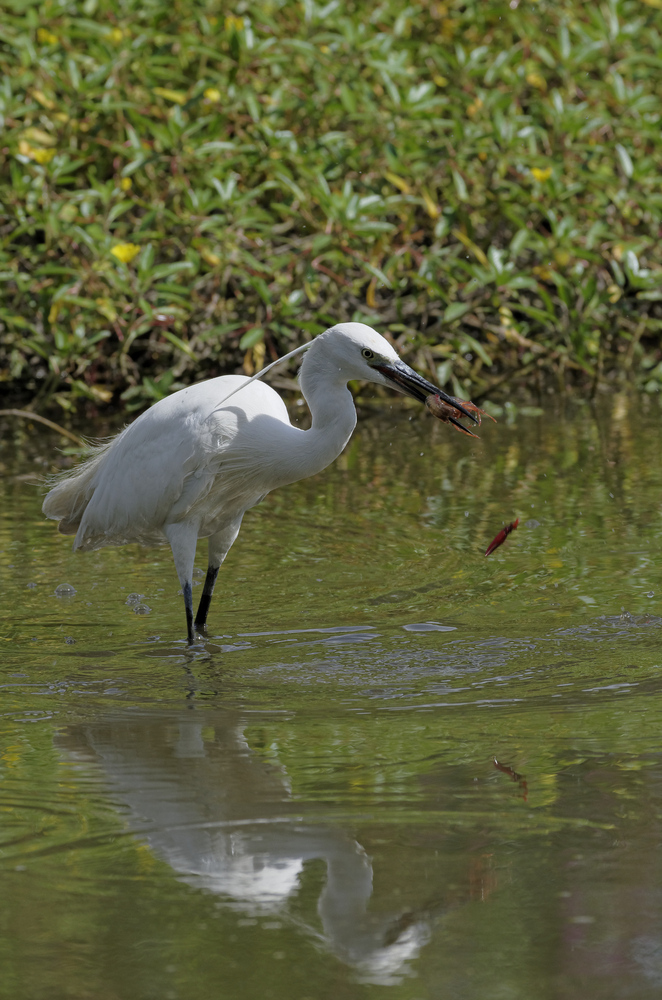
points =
(162, 465)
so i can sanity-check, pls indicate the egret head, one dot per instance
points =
(352, 349)
(356, 351)
(359, 352)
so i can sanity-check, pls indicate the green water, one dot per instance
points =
(307, 806)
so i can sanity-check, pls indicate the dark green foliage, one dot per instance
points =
(481, 180)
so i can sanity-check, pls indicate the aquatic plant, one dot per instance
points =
(184, 192)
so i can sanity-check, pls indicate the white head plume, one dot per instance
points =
(263, 371)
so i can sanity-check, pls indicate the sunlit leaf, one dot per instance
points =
(624, 159)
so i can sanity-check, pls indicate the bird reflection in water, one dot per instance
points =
(225, 822)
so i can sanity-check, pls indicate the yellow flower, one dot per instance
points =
(126, 183)
(234, 23)
(536, 80)
(117, 35)
(614, 293)
(125, 252)
(475, 107)
(440, 80)
(541, 174)
(46, 37)
(210, 257)
(213, 95)
(41, 156)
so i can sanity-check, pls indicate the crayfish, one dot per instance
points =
(450, 415)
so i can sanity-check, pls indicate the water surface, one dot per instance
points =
(395, 769)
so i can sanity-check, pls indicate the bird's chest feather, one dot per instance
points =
(217, 491)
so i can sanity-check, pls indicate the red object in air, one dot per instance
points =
(501, 537)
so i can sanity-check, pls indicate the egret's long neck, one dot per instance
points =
(334, 417)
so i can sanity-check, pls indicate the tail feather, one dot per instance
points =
(71, 491)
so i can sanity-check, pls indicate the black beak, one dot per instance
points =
(412, 384)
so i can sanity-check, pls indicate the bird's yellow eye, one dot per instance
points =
(367, 354)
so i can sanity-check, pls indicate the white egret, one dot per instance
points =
(195, 462)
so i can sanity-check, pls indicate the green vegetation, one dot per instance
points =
(185, 189)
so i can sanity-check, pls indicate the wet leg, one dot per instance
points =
(205, 600)
(187, 591)
(219, 546)
(183, 539)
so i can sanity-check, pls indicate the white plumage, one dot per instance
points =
(195, 462)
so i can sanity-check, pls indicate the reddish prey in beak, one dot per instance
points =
(450, 414)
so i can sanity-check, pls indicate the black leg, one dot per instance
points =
(205, 600)
(187, 590)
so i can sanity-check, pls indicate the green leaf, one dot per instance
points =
(478, 349)
(455, 310)
(119, 209)
(348, 99)
(176, 341)
(251, 338)
(377, 273)
(460, 186)
(166, 270)
(624, 159)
